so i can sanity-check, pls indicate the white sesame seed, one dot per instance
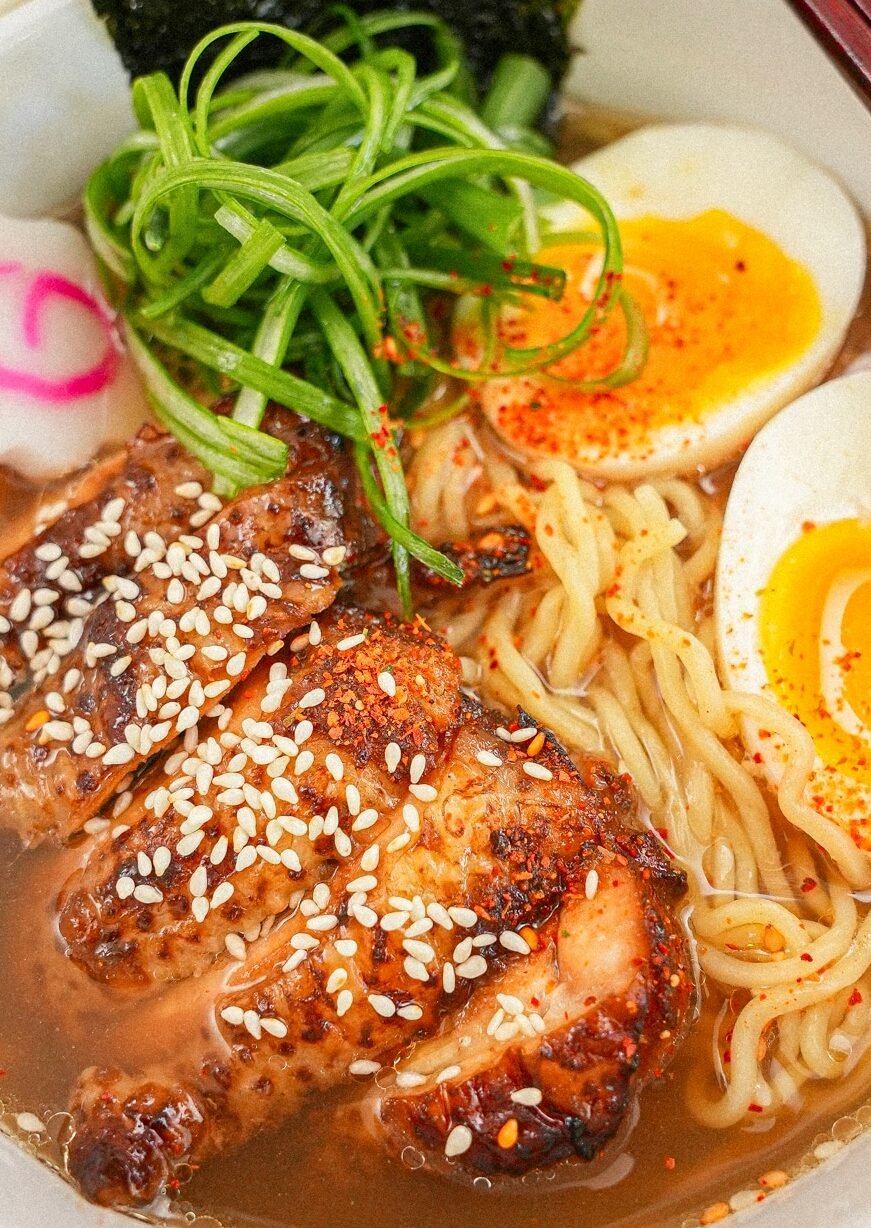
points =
(236, 947)
(382, 1005)
(322, 923)
(370, 858)
(275, 1027)
(488, 759)
(47, 552)
(189, 490)
(366, 819)
(512, 941)
(117, 754)
(463, 950)
(143, 864)
(399, 842)
(524, 734)
(344, 1002)
(392, 756)
(346, 947)
(537, 770)
(449, 1072)
(161, 859)
(393, 921)
(591, 884)
(124, 887)
(311, 571)
(284, 790)
(409, 1078)
(387, 683)
(146, 894)
(338, 978)
(294, 962)
(311, 699)
(335, 766)
(334, 555)
(200, 908)
(423, 793)
(120, 666)
(366, 882)
(417, 768)
(189, 844)
(251, 1020)
(29, 1123)
(233, 1015)
(473, 967)
(352, 799)
(363, 1067)
(529, 1096)
(458, 1141)
(236, 664)
(419, 950)
(411, 816)
(350, 641)
(304, 760)
(199, 881)
(298, 551)
(464, 917)
(20, 608)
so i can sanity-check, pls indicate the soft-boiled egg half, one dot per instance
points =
(66, 386)
(793, 593)
(747, 263)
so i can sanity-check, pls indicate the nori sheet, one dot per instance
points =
(155, 34)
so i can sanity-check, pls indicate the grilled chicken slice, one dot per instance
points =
(546, 1060)
(49, 584)
(481, 844)
(169, 643)
(278, 789)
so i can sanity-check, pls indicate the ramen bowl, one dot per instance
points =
(64, 103)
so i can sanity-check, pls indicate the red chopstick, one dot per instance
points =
(843, 27)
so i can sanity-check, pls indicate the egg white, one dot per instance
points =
(676, 171)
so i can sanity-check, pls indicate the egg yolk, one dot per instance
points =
(815, 639)
(725, 308)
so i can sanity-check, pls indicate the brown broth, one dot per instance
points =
(321, 1169)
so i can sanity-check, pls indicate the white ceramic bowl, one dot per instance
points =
(64, 104)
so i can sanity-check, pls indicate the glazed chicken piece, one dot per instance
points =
(50, 584)
(546, 1061)
(275, 792)
(170, 641)
(450, 889)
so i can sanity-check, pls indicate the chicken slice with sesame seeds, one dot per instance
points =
(299, 778)
(477, 851)
(546, 1061)
(168, 644)
(46, 584)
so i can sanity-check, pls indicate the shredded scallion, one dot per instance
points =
(282, 235)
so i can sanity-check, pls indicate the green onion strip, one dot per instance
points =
(275, 233)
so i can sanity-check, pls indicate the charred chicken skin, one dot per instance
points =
(324, 861)
(136, 613)
(446, 875)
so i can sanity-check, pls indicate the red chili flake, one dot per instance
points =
(807, 957)
(670, 1163)
(808, 884)
(855, 998)
(755, 1108)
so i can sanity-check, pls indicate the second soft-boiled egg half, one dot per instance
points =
(793, 593)
(747, 263)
